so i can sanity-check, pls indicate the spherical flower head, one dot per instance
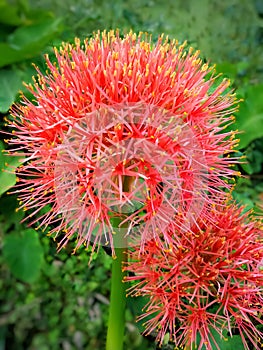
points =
(123, 135)
(208, 281)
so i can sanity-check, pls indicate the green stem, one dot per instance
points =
(117, 303)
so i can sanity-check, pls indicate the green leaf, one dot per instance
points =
(34, 37)
(7, 166)
(249, 120)
(254, 157)
(11, 55)
(136, 305)
(10, 84)
(232, 70)
(28, 41)
(10, 217)
(228, 69)
(23, 254)
(224, 342)
(9, 14)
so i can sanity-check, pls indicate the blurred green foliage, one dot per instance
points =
(23, 254)
(25, 32)
(8, 165)
(52, 300)
(225, 342)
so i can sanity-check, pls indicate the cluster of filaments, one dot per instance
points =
(130, 171)
(126, 138)
(208, 281)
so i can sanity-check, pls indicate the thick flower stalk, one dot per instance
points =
(208, 280)
(124, 135)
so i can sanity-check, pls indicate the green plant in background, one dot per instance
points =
(50, 297)
(25, 32)
(249, 122)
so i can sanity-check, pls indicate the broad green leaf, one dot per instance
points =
(228, 69)
(225, 342)
(10, 55)
(23, 254)
(21, 13)
(28, 41)
(10, 217)
(10, 84)
(34, 37)
(7, 167)
(232, 70)
(136, 305)
(9, 14)
(254, 157)
(249, 120)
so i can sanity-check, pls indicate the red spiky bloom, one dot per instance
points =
(123, 133)
(208, 280)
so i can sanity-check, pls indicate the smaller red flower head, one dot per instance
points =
(207, 280)
(123, 134)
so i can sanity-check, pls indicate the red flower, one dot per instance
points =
(123, 134)
(209, 279)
